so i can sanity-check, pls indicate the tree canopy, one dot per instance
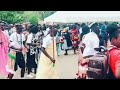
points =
(24, 16)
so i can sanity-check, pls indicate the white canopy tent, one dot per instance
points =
(83, 16)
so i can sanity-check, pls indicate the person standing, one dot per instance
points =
(4, 42)
(17, 40)
(67, 41)
(114, 51)
(91, 41)
(47, 66)
(74, 38)
(32, 42)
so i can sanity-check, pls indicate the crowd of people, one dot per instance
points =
(21, 46)
(38, 46)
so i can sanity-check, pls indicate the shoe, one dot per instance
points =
(29, 76)
(22, 78)
(10, 76)
(65, 54)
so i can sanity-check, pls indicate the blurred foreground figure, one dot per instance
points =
(3, 53)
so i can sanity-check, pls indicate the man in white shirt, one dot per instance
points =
(17, 42)
(91, 41)
(47, 31)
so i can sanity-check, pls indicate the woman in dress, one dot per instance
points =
(75, 38)
(47, 66)
(4, 42)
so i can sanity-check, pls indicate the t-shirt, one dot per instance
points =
(17, 40)
(47, 40)
(80, 30)
(91, 41)
(29, 39)
(46, 32)
(30, 36)
(114, 59)
(13, 29)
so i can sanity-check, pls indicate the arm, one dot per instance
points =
(12, 47)
(44, 45)
(117, 73)
(117, 66)
(44, 51)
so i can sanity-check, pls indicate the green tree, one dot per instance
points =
(24, 16)
(11, 16)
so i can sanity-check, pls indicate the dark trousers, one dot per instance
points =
(31, 62)
(20, 62)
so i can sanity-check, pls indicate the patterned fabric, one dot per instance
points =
(33, 48)
(74, 37)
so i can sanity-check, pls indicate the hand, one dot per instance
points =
(53, 60)
(20, 49)
(82, 72)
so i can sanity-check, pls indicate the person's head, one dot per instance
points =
(53, 32)
(18, 29)
(44, 25)
(112, 28)
(115, 38)
(76, 24)
(83, 24)
(34, 29)
(73, 27)
(2, 26)
(95, 28)
(50, 26)
(11, 25)
(39, 28)
(25, 26)
(64, 26)
(106, 23)
(66, 30)
(85, 29)
(58, 27)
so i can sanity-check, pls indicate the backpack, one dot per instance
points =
(98, 65)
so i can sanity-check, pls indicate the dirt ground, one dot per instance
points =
(67, 65)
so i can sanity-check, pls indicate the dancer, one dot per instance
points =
(32, 43)
(47, 66)
(17, 44)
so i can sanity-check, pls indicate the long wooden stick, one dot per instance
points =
(53, 50)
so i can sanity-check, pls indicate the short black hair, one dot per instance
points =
(83, 24)
(18, 28)
(33, 29)
(114, 35)
(112, 28)
(74, 26)
(85, 29)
